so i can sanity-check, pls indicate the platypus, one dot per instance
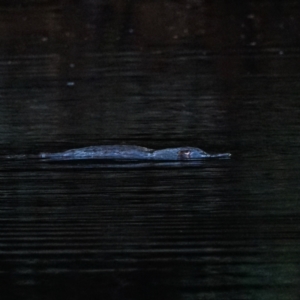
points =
(134, 153)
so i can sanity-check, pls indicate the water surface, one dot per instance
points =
(157, 75)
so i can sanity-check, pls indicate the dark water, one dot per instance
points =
(155, 74)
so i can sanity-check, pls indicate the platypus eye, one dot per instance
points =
(184, 154)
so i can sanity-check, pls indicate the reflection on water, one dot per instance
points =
(159, 75)
(184, 232)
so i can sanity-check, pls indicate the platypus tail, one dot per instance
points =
(20, 156)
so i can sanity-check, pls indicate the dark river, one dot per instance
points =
(221, 77)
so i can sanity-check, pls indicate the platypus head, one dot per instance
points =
(190, 153)
(184, 153)
(187, 153)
